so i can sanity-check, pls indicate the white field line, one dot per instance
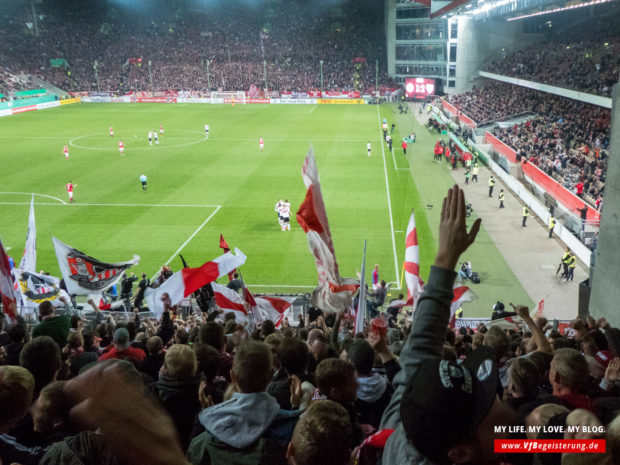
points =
(389, 200)
(312, 109)
(77, 204)
(163, 138)
(62, 202)
(395, 166)
(279, 285)
(193, 234)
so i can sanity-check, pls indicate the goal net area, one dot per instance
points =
(228, 97)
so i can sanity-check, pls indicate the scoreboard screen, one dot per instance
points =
(419, 87)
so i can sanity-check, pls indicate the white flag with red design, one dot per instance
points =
(29, 259)
(230, 301)
(6, 286)
(250, 303)
(415, 285)
(183, 283)
(461, 294)
(333, 293)
(275, 308)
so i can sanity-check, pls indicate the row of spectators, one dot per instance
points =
(12, 82)
(229, 48)
(202, 391)
(567, 139)
(590, 64)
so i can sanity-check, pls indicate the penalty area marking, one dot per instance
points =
(62, 202)
(150, 147)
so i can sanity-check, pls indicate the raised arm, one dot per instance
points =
(542, 344)
(433, 309)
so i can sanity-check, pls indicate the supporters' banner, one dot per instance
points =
(342, 101)
(333, 293)
(360, 315)
(29, 259)
(33, 289)
(85, 275)
(6, 285)
(188, 280)
(412, 263)
(461, 294)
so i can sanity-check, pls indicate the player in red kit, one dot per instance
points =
(69, 188)
(111, 131)
(66, 152)
(261, 142)
(121, 147)
(161, 129)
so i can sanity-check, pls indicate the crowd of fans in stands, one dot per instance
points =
(587, 66)
(201, 391)
(13, 82)
(225, 48)
(567, 139)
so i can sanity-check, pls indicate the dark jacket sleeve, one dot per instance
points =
(426, 339)
(391, 368)
(613, 339)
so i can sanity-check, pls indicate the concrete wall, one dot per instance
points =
(390, 35)
(605, 296)
(481, 41)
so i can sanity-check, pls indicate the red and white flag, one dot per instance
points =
(29, 259)
(225, 248)
(540, 309)
(230, 301)
(6, 286)
(188, 280)
(252, 305)
(275, 308)
(412, 263)
(333, 293)
(461, 294)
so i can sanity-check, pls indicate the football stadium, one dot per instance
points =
(309, 232)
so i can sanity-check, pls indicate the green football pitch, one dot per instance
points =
(199, 189)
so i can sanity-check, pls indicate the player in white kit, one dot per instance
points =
(66, 152)
(368, 148)
(156, 137)
(150, 137)
(286, 216)
(207, 130)
(278, 208)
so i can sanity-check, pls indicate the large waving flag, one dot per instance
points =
(275, 308)
(33, 289)
(9, 303)
(230, 301)
(86, 275)
(412, 263)
(251, 303)
(225, 248)
(360, 315)
(29, 259)
(461, 294)
(333, 293)
(188, 280)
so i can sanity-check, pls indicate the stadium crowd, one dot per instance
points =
(588, 66)
(567, 139)
(202, 391)
(224, 48)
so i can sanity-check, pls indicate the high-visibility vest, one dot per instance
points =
(475, 170)
(491, 182)
(501, 196)
(458, 313)
(572, 262)
(551, 222)
(526, 212)
(566, 257)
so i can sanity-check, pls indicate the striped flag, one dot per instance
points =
(412, 263)
(461, 294)
(275, 308)
(29, 259)
(6, 285)
(333, 293)
(183, 283)
(230, 301)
